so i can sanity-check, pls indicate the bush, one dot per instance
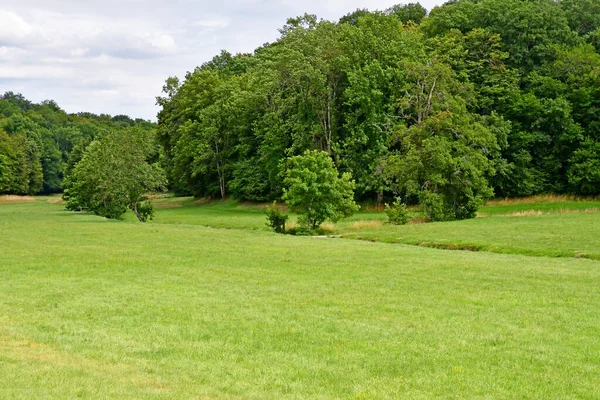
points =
(299, 230)
(397, 213)
(276, 218)
(143, 210)
(315, 190)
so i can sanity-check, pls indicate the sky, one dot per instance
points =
(113, 56)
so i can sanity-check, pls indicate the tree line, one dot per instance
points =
(40, 144)
(446, 109)
(477, 98)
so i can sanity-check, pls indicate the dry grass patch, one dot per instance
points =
(527, 213)
(327, 227)
(586, 211)
(56, 200)
(418, 220)
(542, 198)
(12, 199)
(164, 206)
(290, 226)
(533, 213)
(358, 225)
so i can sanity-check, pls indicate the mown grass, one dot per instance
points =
(564, 227)
(91, 308)
(550, 235)
(549, 204)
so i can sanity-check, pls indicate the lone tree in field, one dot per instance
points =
(114, 175)
(314, 189)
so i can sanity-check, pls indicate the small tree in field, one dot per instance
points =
(114, 175)
(276, 218)
(314, 189)
(397, 212)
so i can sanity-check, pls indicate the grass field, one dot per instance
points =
(182, 308)
(557, 228)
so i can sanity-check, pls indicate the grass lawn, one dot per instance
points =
(91, 308)
(557, 228)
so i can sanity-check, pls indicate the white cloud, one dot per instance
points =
(112, 56)
(212, 23)
(11, 54)
(14, 30)
(34, 72)
(162, 41)
(80, 52)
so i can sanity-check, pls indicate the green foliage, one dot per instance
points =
(412, 12)
(314, 189)
(143, 209)
(441, 155)
(21, 164)
(481, 97)
(114, 175)
(584, 171)
(276, 218)
(37, 141)
(397, 213)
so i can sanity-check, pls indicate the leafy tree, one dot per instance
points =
(441, 153)
(529, 29)
(39, 139)
(276, 218)
(584, 171)
(412, 12)
(17, 99)
(478, 97)
(314, 189)
(583, 15)
(114, 175)
(353, 17)
(6, 163)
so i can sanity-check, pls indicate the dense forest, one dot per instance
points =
(40, 143)
(477, 98)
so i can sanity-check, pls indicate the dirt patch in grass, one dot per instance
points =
(12, 199)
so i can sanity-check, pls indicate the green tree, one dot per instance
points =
(584, 171)
(39, 139)
(529, 29)
(114, 175)
(412, 12)
(441, 155)
(314, 189)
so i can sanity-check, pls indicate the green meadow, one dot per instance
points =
(205, 303)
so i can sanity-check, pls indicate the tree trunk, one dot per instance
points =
(136, 212)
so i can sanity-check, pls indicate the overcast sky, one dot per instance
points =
(112, 56)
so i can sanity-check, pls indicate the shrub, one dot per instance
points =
(315, 190)
(299, 230)
(276, 218)
(143, 210)
(397, 213)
